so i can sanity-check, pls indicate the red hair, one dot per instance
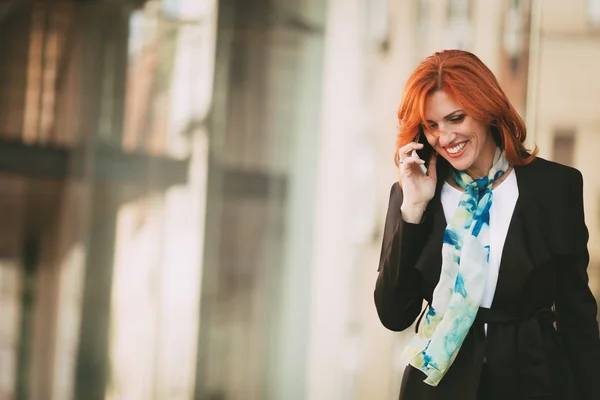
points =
(463, 76)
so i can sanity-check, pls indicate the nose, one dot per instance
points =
(446, 137)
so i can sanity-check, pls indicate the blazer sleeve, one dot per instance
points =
(575, 305)
(398, 297)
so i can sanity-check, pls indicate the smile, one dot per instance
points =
(456, 150)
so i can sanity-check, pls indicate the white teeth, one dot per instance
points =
(456, 149)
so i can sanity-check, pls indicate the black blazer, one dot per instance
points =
(542, 279)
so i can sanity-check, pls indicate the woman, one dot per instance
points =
(493, 239)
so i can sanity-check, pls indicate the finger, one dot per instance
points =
(410, 146)
(413, 159)
(409, 163)
(407, 149)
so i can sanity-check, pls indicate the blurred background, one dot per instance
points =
(193, 192)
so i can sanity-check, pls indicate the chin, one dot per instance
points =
(460, 164)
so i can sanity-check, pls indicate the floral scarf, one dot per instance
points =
(459, 292)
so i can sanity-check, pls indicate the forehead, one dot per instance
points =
(439, 104)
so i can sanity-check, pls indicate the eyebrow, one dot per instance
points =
(447, 117)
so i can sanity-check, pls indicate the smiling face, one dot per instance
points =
(465, 143)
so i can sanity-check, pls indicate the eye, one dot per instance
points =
(431, 125)
(458, 118)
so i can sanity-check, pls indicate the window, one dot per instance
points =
(459, 30)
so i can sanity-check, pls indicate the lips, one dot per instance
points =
(456, 150)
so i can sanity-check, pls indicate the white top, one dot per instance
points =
(504, 199)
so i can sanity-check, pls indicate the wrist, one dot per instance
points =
(413, 213)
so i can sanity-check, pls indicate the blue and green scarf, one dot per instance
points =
(459, 292)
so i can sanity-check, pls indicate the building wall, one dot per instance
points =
(568, 88)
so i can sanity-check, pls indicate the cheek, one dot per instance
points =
(480, 132)
(467, 128)
(481, 139)
(431, 139)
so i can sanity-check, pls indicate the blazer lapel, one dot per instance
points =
(524, 246)
(430, 261)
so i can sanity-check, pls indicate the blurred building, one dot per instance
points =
(566, 102)
(103, 179)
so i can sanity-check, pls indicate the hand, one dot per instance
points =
(417, 188)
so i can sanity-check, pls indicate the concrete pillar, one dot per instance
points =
(343, 119)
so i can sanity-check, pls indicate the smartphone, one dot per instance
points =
(425, 152)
